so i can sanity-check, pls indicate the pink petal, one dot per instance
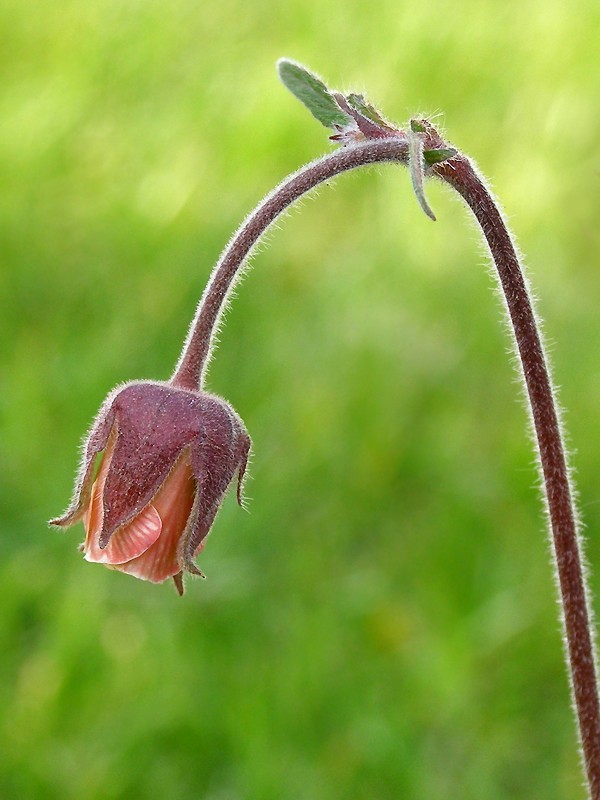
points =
(173, 503)
(128, 542)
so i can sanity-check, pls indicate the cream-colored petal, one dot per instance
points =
(92, 518)
(128, 542)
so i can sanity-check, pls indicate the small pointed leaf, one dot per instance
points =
(312, 92)
(416, 126)
(358, 103)
(438, 155)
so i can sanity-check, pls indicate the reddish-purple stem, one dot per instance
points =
(458, 173)
(563, 520)
(194, 359)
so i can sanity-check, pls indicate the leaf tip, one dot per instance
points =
(312, 92)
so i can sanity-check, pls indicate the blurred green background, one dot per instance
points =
(383, 623)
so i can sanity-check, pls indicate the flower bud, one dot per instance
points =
(168, 456)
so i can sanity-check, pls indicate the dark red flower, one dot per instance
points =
(168, 457)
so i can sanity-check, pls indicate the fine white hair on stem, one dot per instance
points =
(545, 419)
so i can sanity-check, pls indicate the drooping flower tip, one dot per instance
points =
(168, 457)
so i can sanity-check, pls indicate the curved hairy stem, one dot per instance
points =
(458, 173)
(576, 608)
(196, 352)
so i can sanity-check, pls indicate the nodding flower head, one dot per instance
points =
(168, 457)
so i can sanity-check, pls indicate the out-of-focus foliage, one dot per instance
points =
(382, 624)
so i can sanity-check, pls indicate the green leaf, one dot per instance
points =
(312, 92)
(438, 155)
(358, 103)
(416, 126)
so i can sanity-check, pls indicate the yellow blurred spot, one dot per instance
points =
(123, 636)
(162, 195)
